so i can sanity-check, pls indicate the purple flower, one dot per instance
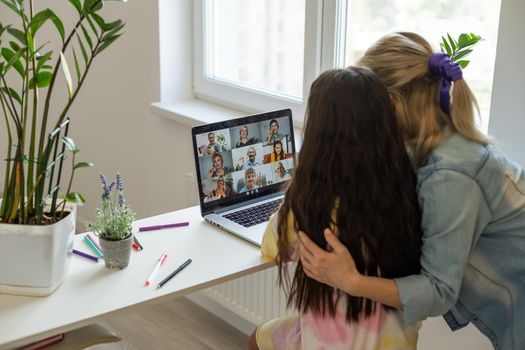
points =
(106, 189)
(103, 181)
(120, 188)
(110, 188)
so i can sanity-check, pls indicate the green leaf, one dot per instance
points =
(113, 25)
(88, 38)
(67, 74)
(14, 46)
(452, 42)
(41, 17)
(41, 60)
(14, 5)
(41, 79)
(30, 44)
(70, 144)
(91, 6)
(82, 48)
(468, 40)
(461, 54)
(113, 31)
(77, 5)
(75, 197)
(106, 43)
(463, 40)
(13, 93)
(83, 165)
(18, 34)
(473, 38)
(37, 51)
(3, 29)
(77, 67)
(58, 25)
(463, 64)
(92, 25)
(100, 21)
(446, 46)
(13, 59)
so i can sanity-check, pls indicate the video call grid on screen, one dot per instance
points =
(245, 159)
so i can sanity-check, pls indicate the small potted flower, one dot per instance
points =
(113, 224)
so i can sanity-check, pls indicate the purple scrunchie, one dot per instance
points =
(448, 71)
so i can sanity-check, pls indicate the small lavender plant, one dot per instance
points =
(114, 218)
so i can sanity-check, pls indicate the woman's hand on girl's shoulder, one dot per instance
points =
(335, 268)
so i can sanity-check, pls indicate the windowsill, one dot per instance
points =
(193, 112)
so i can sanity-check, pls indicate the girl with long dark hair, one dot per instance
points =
(353, 176)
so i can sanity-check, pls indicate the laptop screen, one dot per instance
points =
(243, 159)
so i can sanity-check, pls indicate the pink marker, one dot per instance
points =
(92, 239)
(159, 263)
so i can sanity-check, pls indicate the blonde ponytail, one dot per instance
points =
(464, 104)
(401, 62)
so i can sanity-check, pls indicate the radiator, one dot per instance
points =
(254, 298)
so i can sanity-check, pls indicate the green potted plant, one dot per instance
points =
(38, 207)
(114, 224)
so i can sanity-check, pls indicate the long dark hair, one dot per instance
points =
(353, 163)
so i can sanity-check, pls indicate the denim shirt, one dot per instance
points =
(473, 255)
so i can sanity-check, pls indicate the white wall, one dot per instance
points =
(111, 121)
(113, 124)
(507, 115)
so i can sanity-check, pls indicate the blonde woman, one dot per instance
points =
(252, 181)
(217, 168)
(472, 199)
(243, 138)
(221, 190)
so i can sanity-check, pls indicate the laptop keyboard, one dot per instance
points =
(254, 215)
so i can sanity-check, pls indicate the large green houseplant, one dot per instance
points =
(35, 118)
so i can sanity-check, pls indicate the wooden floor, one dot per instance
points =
(175, 324)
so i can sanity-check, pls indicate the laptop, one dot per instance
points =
(243, 166)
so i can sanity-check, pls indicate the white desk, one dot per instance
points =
(92, 292)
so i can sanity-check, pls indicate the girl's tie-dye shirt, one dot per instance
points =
(383, 330)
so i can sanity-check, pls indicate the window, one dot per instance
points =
(263, 54)
(252, 54)
(257, 44)
(369, 20)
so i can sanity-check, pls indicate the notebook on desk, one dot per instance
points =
(243, 166)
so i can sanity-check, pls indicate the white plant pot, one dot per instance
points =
(34, 259)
